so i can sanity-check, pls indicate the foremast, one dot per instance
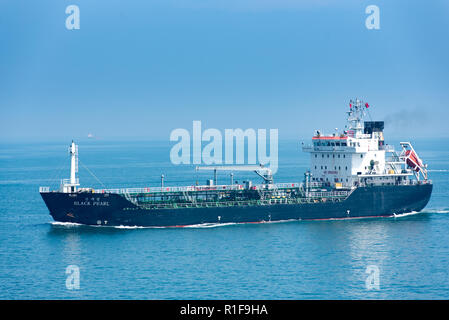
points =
(70, 185)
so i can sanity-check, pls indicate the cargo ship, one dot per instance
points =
(353, 174)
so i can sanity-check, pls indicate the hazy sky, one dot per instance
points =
(139, 69)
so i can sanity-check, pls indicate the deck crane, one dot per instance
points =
(260, 170)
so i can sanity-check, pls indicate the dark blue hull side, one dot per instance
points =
(116, 210)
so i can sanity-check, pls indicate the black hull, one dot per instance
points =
(116, 210)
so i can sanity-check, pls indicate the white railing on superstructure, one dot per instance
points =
(316, 184)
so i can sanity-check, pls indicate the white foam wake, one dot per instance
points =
(210, 225)
(436, 210)
(405, 214)
(66, 224)
(130, 227)
(202, 225)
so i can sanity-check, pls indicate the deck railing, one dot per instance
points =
(287, 185)
(192, 188)
(328, 194)
(205, 204)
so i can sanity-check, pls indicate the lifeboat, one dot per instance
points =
(413, 161)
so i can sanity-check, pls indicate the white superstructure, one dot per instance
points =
(358, 155)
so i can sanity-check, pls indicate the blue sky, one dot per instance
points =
(139, 69)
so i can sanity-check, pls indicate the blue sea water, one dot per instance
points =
(293, 260)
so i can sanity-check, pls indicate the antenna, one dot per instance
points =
(355, 116)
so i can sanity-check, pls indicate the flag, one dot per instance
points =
(367, 105)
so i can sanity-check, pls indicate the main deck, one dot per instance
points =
(224, 195)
